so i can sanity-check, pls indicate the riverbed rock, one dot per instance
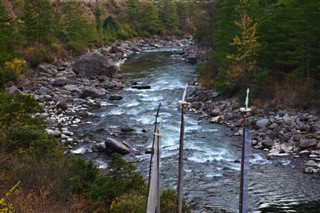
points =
(141, 87)
(92, 92)
(115, 97)
(112, 145)
(127, 129)
(307, 143)
(262, 123)
(95, 64)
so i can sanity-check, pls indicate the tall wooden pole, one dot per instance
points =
(180, 172)
(181, 144)
(245, 164)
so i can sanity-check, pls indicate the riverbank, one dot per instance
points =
(69, 89)
(279, 132)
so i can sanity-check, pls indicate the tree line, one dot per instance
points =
(270, 46)
(42, 31)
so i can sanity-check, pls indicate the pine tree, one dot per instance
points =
(168, 15)
(77, 31)
(40, 24)
(242, 63)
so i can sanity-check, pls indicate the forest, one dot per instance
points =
(270, 46)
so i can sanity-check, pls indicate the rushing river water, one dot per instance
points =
(212, 153)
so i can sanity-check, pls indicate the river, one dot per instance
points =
(212, 153)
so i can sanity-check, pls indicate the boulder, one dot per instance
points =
(60, 81)
(92, 92)
(115, 97)
(262, 123)
(13, 90)
(127, 129)
(95, 64)
(113, 145)
(307, 143)
(192, 59)
(141, 87)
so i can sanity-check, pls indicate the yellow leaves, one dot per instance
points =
(16, 67)
(4, 206)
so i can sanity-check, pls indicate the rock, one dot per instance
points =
(216, 119)
(311, 163)
(307, 143)
(95, 64)
(55, 133)
(72, 88)
(60, 81)
(92, 92)
(196, 105)
(262, 123)
(296, 138)
(113, 145)
(115, 97)
(13, 90)
(215, 112)
(99, 147)
(141, 87)
(44, 91)
(127, 129)
(310, 170)
(268, 143)
(192, 59)
(286, 148)
(62, 105)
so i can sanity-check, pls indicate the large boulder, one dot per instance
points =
(95, 64)
(113, 145)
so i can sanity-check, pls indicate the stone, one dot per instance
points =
(267, 143)
(113, 145)
(127, 129)
(307, 143)
(92, 92)
(215, 112)
(72, 88)
(44, 91)
(192, 59)
(141, 87)
(286, 148)
(311, 163)
(196, 105)
(310, 170)
(216, 119)
(262, 123)
(13, 90)
(60, 81)
(95, 64)
(99, 147)
(115, 97)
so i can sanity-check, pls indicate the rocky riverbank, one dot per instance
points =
(69, 89)
(284, 132)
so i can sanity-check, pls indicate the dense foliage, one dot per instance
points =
(281, 41)
(42, 30)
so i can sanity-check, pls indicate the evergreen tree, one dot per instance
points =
(6, 32)
(39, 20)
(242, 63)
(168, 15)
(77, 31)
(148, 19)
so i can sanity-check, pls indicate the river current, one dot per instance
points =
(211, 152)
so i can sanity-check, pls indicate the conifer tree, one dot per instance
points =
(168, 15)
(40, 24)
(242, 63)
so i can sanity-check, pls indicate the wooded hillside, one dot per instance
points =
(270, 46)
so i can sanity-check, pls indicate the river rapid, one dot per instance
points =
(212, 153)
